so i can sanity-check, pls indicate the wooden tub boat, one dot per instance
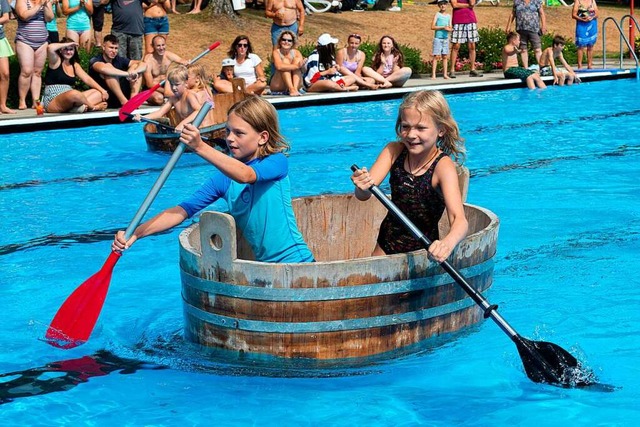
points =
(344, 307)
(161, 139)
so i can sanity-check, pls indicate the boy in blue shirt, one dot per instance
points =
(253, 181)
(442, 26)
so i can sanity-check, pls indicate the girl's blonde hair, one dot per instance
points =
(177, 73)
(261, 116)
(432, 103)
(204, 79)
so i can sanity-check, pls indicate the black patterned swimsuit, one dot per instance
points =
(417, 198)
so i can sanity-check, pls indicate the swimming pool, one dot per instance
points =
(559, 169)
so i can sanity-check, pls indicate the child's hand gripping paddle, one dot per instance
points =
(139, 99)
(544, 362)
(75, 319)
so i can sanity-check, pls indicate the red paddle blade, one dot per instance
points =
(75, 319)
(131, 105)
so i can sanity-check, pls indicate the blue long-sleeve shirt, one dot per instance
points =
(262, 210)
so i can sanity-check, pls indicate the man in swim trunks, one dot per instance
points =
(510, 65)
(121, 77)
(157, 64)
(286, 15)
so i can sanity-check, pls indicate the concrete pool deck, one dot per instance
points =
(28, 121)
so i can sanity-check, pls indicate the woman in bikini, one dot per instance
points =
(64, 70)
(31, 46)
(388, 61)
(78, 13)
(287, 63)
(350, 59)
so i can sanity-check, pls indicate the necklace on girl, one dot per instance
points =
(412, 173)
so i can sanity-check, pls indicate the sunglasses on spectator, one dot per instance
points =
(355, 36)
(242, 45)
(287, 40)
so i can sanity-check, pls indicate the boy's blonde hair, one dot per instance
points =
(261, 116)
(177, 73)
(432, 103)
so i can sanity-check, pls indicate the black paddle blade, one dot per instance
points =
(545, 362)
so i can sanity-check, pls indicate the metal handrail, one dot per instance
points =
(622, 37)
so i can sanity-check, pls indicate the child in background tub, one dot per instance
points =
(423, 180)
(254, 182)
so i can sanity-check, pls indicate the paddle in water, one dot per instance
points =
(75, 319)
(544, 362)
(139, 99)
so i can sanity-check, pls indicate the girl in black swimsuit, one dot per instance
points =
(424, 179)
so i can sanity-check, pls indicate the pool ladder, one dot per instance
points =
(632, 20)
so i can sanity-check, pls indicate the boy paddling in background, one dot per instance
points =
(511, 67)
(548, 64)
(184, 101)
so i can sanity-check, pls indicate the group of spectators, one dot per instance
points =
(135, 24)
(135, 51)
(326, 69)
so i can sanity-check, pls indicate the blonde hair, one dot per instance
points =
(177, 73)
(433, 104)
(203, 76)
(261, 116)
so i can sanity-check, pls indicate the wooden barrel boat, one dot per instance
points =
(162, 139)
(347, 306)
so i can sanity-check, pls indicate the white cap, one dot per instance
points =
(228, 62)
(326, 39)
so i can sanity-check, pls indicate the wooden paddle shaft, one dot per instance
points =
(489, 310)
(146, 204)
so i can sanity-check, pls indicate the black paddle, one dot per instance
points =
(544, 362)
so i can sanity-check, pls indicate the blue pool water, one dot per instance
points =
(559, 167)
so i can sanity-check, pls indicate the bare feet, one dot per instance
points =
(350, 88)
(194, 11)
(22, 105)
(101, 106)
(386, 85)
(294, 93)
(446, 77)
(175, 11)
(7, 110)
(372, 86)
(433, 77)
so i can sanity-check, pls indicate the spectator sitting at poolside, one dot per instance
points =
(322, 73)
(510, 65)
(116, 73)
(287, 64)
(350, 59)
(222, 82)
(64, 70)
(247, 65)
(388, 61)
(548, 64)
(158, 63)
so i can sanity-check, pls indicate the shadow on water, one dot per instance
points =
(64, 375)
